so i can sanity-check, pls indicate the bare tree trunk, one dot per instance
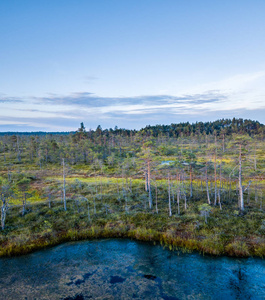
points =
(183, 192)
(94, 200)
(149, 174)
(24, 203)
(156, 197)
(178, 198)
(169, 200)
(215, 179)
(220, 186)
(255, 159)
(64, 194)
(240, 188)
(207, 186)
(3, 211)
(178, 191)
(149, 184)
(230, 187)
(146, 181)
(150, 198)
(172, 191)
(190, 181)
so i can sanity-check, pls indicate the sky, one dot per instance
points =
(129, 63)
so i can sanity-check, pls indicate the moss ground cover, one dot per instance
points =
(118, 186)
(91, 214)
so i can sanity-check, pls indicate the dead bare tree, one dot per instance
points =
(149, 184)
(156, 196)
(169, 199)
(207, 185)
(4, 209)
(4, 196)
(64, 194)
(178, 192)
(220, 186)
(241, 141)
(215, 177)
(24, 202)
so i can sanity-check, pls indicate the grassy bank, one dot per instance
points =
(224, 234)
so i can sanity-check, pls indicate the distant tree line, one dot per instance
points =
(220, 127)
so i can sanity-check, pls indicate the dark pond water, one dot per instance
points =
(124, 269)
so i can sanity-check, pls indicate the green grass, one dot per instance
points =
(227, 232)
(122, 212)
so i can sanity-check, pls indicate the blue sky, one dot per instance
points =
(129, 63)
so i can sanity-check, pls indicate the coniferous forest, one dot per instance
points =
(186, 186)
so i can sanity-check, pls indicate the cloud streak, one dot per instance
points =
(91, 100)
(65, 112)
(10, 100)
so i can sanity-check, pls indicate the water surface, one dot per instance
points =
(125, 269)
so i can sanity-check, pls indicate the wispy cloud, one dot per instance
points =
(91, 100)
(65, 112)
(10, 100)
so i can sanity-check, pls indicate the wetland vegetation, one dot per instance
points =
(186, 186)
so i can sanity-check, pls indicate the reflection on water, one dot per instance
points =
(124, 269)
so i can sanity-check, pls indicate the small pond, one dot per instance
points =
(125, 269)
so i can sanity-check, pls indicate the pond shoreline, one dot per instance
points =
(12, 248)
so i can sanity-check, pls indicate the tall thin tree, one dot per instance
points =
(64, 194)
